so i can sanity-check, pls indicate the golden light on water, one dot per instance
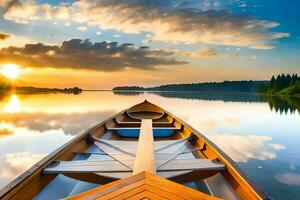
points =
(11, 71)
(13, 105)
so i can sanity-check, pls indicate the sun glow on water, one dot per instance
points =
(13, 106)
(11, 71)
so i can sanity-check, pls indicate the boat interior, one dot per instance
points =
(143, 138)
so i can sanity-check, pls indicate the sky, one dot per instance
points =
(99, 44)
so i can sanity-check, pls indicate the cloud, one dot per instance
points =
(289, 178)
(242, 148)
(82, 28)
(4, 36)
(206, 52)
(171, 21)
(179, 25)
(19, 162)
(5, 132)
(4, 3)
(83, 54)
(41, 122)
(27, 11)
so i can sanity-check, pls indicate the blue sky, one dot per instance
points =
(200, 40)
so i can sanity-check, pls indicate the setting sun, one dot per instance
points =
(10, 70)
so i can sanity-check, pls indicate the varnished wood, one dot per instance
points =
(146, 110)
(191, 164)
(144, 182)
(145, 159)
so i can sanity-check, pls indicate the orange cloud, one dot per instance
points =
(206, 52)
(4, 36)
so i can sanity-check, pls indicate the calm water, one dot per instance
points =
(262, 135)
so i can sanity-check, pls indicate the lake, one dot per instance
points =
(261, 134)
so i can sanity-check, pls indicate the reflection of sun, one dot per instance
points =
(13, 105)
(10, 70)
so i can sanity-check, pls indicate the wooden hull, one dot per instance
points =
(238, 185)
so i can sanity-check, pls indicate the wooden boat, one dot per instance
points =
(143, 152)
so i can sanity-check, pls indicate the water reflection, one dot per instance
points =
(68, 123)
(24, 147)
(13, 105)
(242, 148)
(284, 104)
(33, 125)
(16, 163)
(278, 104)
(289, 178)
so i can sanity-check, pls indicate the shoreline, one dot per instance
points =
(258, 94)
(69, 90)
(74, 90)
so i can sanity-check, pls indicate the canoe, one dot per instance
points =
(143, 152)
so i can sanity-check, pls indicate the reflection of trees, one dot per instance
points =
(128, 93)
(213, 96)
(283, 104)
(209, 96)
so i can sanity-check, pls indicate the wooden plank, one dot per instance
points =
(191, 164)
(160, 146)
(133, 186)
(108, 188)
(171, 174)
(125, 189)
(87, 166)
(162, 192)
(175, 148)
(146, 195)
(145, 159)
(130, 193)
(177, 189)
(107, 147)
(115, 152)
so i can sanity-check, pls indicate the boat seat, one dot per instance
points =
(115, 160)
(94, 166)
(164, 146)
(125, 120)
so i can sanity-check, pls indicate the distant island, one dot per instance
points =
(73, 90)
(282, 85)
(5, 86)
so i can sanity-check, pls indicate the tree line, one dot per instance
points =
(282, 84)
(6, 86)
(225, 86)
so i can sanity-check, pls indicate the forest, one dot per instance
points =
(281, 85)
(225, 86)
